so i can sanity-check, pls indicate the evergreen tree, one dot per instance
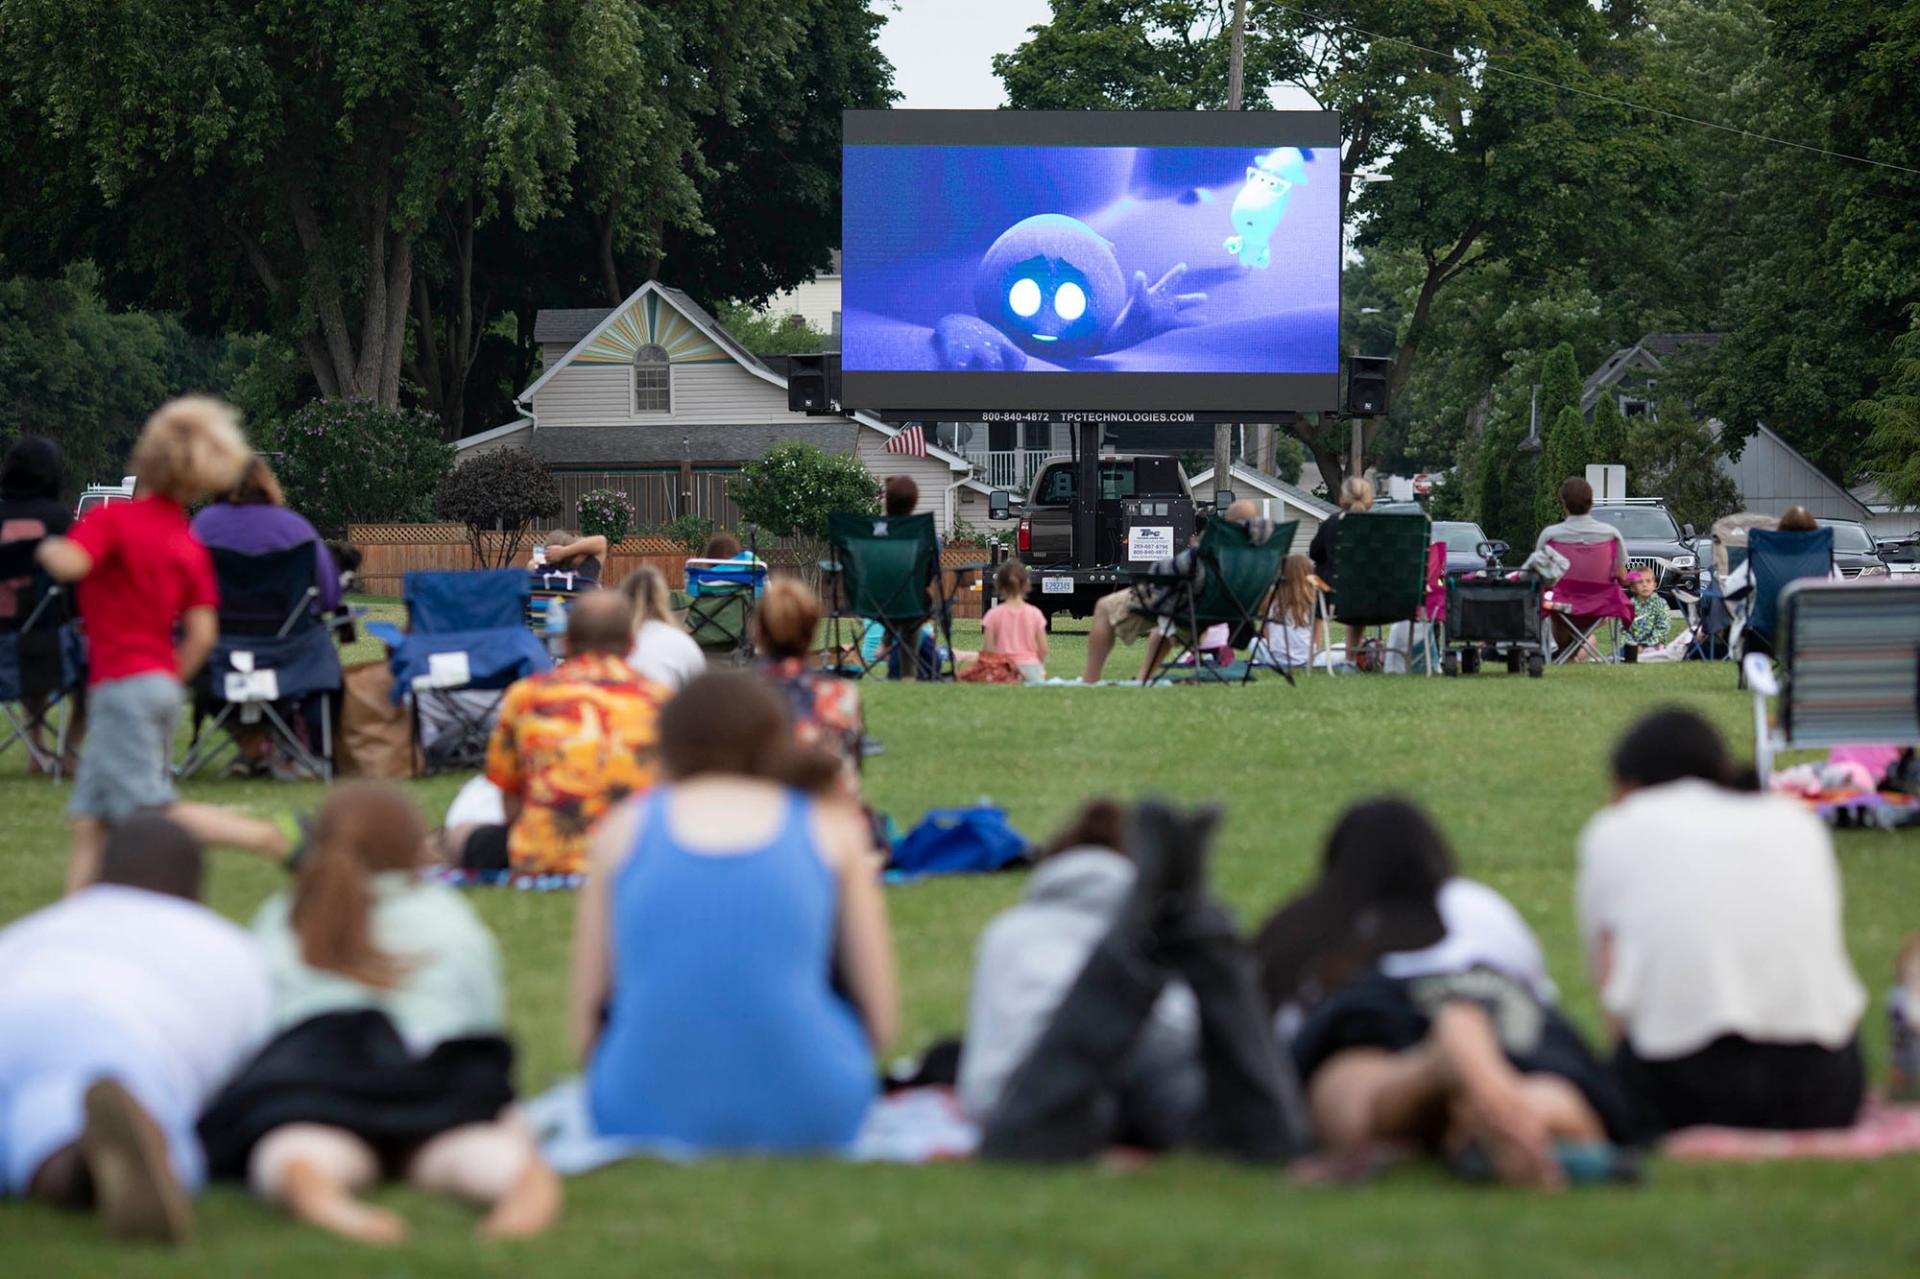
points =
(1559, 382)
(1563, 454)
(1607, 437)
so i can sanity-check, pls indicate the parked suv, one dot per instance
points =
(1901, 555)
(1651, 538)
(1854, 553)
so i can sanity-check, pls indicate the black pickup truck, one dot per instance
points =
(1143, 513)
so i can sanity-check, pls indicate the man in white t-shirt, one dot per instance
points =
(122, 1009)
(1712, 924)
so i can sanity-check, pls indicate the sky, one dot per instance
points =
(942, 51)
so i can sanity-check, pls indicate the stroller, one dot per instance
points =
(1494, 612)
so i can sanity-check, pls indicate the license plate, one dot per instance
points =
(1056, 586)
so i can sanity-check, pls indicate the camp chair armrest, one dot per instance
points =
(1760, 677)
(829, 566)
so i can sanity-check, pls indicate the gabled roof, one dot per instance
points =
(624, 327)
(567, 324)
(1653, 352)
(1771, 438)
(1270, 486)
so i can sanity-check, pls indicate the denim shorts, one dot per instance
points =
(126, 764)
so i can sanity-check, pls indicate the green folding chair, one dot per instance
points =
(1237, 582)
(1380, 570)
(887, 570)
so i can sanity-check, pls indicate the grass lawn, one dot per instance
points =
(1511, 766)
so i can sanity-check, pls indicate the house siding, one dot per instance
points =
(930, 473)
(703, 395)
(1772, 477)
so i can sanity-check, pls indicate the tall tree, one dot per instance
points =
(1893, 450)
(1563, 455)
(1608, 437)
(1485, 166)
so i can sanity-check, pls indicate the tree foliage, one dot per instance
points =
(790, 491)
(1673, 455)
(504, 491)
(347, 462)
(1893, 450)
(75, 371)
(1564, 450)
(1607, 436)
(765, 334)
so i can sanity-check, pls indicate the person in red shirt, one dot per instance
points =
(141, 576)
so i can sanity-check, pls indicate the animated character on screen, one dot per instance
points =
(1261, 204)
(1053, 287)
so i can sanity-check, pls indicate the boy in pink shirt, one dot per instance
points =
(1015, 628)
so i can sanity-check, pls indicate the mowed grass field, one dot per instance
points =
(1511, 766)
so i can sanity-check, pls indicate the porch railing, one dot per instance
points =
(1009, 468)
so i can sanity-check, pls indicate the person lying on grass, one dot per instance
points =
(389, 1061)
(122, 1009)
(1455, 1048)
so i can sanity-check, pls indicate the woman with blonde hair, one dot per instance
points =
(1356, 494)
(389, 1060)
(725, 913)
(825, 708)
(662, 650)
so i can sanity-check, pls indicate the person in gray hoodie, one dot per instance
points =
(1116, 1004)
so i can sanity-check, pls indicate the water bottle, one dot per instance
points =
(557, 627)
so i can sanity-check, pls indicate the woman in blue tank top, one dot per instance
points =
(718, 909)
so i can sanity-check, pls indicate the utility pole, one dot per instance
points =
(1236, 63)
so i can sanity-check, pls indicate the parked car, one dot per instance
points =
(101, 494)
(1463, 538)
(1854, 552)
(1653, 541)
(1901, 555)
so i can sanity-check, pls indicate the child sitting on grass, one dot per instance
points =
(1014, 628)
(1649, 626)
(1289, 638)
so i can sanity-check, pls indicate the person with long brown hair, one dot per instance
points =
(1290, 624)
(390, 1060)
(825, 709)
(718, 909)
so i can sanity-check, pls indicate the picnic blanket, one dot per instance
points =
(910, 1126)
(1883, 1129)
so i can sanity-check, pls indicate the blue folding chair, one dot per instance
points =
(466, 642)
(1774, 559)
(274, 664)
(42, 658)
(720, 598)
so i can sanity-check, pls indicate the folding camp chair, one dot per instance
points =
(42, 660)
(886, 569)
(1774, 559)
(1849, 669)
(1380, 570)
(466, 642)
(547, 585)
(1588, 597)
(1235, 587)
(720, 599)
(273, 663)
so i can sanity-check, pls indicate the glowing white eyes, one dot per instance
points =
(1024, 298)
(1070, 301)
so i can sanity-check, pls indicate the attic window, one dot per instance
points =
(652, 380)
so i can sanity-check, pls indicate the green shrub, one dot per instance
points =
(504, 491)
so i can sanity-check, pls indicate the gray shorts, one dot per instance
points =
(127, 763)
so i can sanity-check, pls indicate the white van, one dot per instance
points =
(101, 494)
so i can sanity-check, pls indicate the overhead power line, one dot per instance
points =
(1628, 103)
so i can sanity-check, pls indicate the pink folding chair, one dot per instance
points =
(1588, 595)
(1433, 609)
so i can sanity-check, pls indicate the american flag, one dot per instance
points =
(910, 440)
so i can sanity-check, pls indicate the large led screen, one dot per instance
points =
(1142, 262)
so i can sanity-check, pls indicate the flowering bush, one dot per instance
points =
(606, 512)
(347, 462)
(791, 490)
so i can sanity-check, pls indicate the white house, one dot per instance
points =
(1283, 501)
(654, 398)
(817, 301)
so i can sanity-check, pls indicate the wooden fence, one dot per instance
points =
(390, 551)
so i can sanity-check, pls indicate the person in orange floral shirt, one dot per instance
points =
(571, 744)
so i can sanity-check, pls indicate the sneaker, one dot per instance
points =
(136, 1191)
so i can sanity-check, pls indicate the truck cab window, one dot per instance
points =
(1058, 489)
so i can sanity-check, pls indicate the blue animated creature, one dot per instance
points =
(1261, 204)
(1052, 287)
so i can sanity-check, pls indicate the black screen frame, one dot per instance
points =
(1204, 396)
